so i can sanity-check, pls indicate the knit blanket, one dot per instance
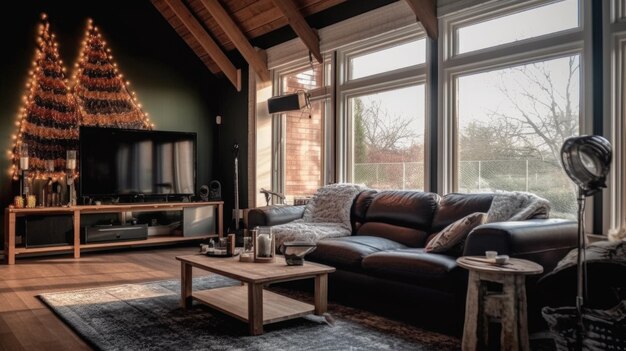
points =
(517, 206)
(326, 215)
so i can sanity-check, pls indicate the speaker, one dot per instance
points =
(289, 102)
(215, 190)
(204, 193)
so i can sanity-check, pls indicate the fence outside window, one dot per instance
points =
(528, 175)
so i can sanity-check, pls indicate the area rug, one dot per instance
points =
(147, 316)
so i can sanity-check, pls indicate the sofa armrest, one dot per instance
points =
(273, 215)
(544, 241)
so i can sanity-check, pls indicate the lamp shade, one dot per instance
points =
(586, 160)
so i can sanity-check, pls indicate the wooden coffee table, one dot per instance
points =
(249, 302)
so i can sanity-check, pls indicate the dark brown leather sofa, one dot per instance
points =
(382, 266)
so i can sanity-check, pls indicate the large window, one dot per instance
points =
(511, 125)
(388, 138)
(384, 97)
(299, 135)
(510, 110)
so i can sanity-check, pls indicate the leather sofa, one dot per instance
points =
(383, 266)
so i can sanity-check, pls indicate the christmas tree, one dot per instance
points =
(48, 120)
(104, 98)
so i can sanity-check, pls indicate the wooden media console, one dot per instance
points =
(10, 215)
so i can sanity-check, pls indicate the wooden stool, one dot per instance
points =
(508, 306)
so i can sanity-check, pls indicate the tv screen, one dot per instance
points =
(120, 162)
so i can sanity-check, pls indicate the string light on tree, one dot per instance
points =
(48, 119)
(104, 98)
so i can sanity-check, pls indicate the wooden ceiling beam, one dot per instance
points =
(426, 13)
(301, 27)
(208, 44)
(256, 59)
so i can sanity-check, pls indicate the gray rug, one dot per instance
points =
(147, 317)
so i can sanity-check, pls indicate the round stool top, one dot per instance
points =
(513, 266)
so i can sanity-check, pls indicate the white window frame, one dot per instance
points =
(368, 27)
(279, 121)
(563, 43)
(384, 81)
(614, 74)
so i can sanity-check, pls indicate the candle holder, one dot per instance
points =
(264, 245)
(247, 252)
(70, 165)
(24, 166)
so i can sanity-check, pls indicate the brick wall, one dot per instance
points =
(303, 149)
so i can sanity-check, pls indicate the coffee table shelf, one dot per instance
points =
(233, 300)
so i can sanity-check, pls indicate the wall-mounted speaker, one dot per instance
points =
(215, 190)
(288, 102)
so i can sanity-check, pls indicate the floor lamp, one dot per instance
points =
(586, 160)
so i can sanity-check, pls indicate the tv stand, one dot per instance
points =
(10, 214)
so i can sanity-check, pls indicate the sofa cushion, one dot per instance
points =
(455, 233)
(359, 207)
(407, 236)
(415, 266)
(402, 216)
(348, 252)
(455, 206)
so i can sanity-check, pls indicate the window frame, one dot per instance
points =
(550, 46)
(614, 77)
(279, 120)
(394, 79)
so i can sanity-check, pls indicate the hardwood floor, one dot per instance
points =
(26, 324)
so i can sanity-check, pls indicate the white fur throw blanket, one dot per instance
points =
(327, 215)
(517, 206)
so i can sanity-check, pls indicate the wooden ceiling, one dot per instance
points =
(212, 27)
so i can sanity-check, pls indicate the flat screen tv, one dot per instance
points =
(136, 163)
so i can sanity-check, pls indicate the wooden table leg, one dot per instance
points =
(321, 293)
(76, 234)
(9, 237)
(220, 220)
(472, 311)
(509, 338)
(522, 316)
(255, 308)
(185, 285)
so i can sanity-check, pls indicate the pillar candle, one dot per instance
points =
(264, 242)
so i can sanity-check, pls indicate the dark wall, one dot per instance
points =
(233, 107)
(173, 85)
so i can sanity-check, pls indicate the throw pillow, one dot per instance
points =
(455, 232)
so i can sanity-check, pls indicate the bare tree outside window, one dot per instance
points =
(388, 143)
(512, 123)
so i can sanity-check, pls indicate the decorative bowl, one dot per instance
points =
(295, 251)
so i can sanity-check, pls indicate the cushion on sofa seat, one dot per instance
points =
(348, 252)
(416, 266)
(455, 206)
(407, 236)
(359, 207)
(402, 216)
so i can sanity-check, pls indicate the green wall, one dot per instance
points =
(173, 85)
